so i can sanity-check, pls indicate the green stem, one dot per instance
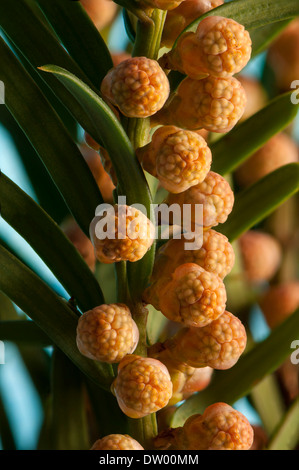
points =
(139, 313)
(123, 295)
(147, 43)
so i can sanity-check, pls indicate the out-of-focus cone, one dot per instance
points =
(283, 56)
(74, 233)
(256, 96)
(101, 12)
(279, 302)
(102, 178)
(278, 151)
(261, 255)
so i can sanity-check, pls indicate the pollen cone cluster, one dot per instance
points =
(187, 282)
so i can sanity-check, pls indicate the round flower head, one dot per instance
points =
(193, 297)
(215, 104)
(218, 345)
(178, 158)
(261, 255)
(107, 333)
(122, 233)
(214, 194)
(137, 86)
(179, 18)
(278, 151)
(215, 255)
(220, 47)
(279, 302)
(142, 386)
(117, 442)
(219, 428)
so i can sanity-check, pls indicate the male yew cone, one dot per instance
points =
(142, 386)
(218, 345)
(215, 195)
(178, 158)
(215, 255)
(261, 255)
(74, 233)
(283, 56)
(101, 12)
(220, 427)
(193, 296)
(278, 151)
(122, 233)
(107, 333)
(137, 86)
(214, 104)
(256, 95)
(279, 302)
(220, 47)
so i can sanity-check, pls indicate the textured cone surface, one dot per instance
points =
(220, 47)
(193, 297)
(215, 255)
(117, 442)
(218, 345)
(214, 104)
(178, 158)
(122, 233)
(137, 86)
(219, 428)
(107, 333)
(143, 386)
(214, 194)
